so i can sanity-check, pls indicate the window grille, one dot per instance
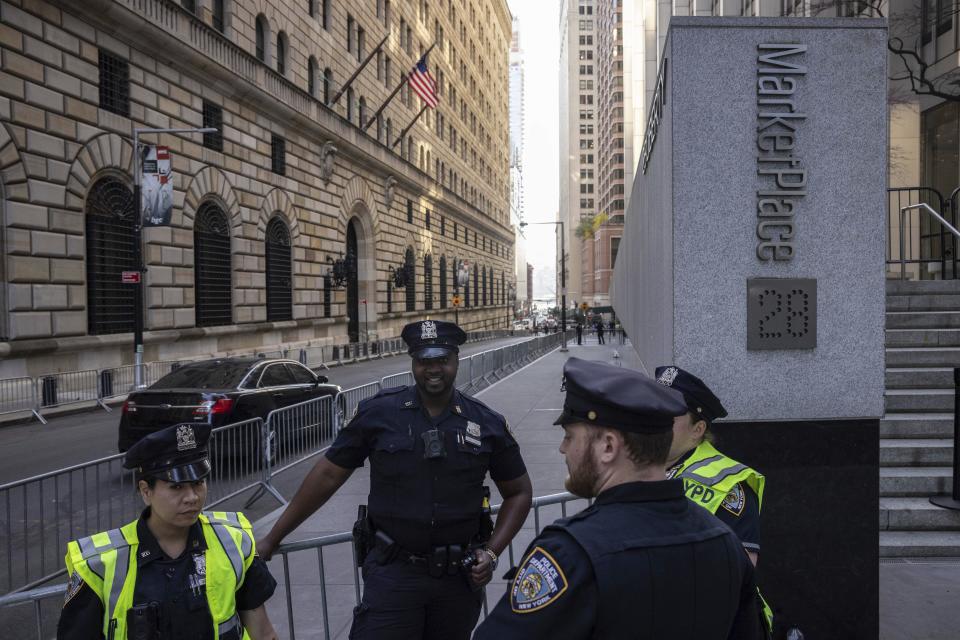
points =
(476, 286)
(484, 282)
(426, 219)
(443, 225)
(410, 211)
(408, 265)
(327, 295)
(443, 279)
(278, 155)
(219, 17)
(212, 273)
(110, 217)
(114, 83)
(427, 282)
(213, 117)
(279, 272)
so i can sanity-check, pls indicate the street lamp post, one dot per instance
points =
(138, 248)
(563, 279)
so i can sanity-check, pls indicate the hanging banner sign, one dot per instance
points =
(156, 187)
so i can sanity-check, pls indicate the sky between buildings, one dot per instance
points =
(540, 42)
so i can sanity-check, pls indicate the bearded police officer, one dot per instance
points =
(641, 562)
(429, 542)
(175, 572)
(726, 488)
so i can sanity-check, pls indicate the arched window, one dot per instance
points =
(410, 268)
(110, 214)
(281, 53)
(476, 286)
(312, 76)
(279, 271)
(380, 128)
(327, 85)
(263, 33)
(362, 110)
(212, 270)
(388, 131)
(219, 15)
(443, 282)
(420, 164)
(409, 148)
(427, 282)
(350, 104)
(484, 280)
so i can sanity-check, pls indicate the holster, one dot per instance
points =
(362, 535)
(143, 622)
(445, 560)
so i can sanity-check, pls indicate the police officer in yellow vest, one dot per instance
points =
(175, 572)
(726, 488)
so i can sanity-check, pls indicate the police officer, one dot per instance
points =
(641, 562)
(726, 488)
(176, 571)
(430, 448)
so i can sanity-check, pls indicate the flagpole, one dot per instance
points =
(359, 69)
(404, 77)
(403, 80)
(412, 122)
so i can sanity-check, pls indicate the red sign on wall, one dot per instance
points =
(130, 277)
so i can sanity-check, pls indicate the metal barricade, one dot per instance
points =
(239, 454)
(463, 374)
(117, 381)
(348, 399)
(19, 395)
(299, 432)
(403, 379)
(71, 387)
(315, 357)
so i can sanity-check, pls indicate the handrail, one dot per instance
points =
(937, 216)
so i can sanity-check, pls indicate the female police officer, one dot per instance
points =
(176, 571)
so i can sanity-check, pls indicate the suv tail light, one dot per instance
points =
(213, 408)
(129, 407)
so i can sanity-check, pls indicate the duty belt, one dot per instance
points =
(442, 560)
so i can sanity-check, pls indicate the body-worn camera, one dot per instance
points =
(433, 446)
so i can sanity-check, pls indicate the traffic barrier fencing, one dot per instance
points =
(402, 379)
(71, 387)
(299, 432)
(18, 395)
(348, 399)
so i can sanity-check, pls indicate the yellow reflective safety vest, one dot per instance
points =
(708, 476)
(107, 562)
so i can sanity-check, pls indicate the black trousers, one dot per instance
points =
(402, 602)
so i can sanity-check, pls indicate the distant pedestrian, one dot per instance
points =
(600, 332)
(579, 333)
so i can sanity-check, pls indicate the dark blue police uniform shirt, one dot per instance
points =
(422, 503)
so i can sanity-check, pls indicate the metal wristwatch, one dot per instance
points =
(493, 557)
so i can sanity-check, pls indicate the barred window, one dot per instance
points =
(279, 272)
(476, 286)
(212, 274)
(110, 218)
(114, 83)
(426, 219)
(427, 282)
(484, 281)
(278, 155)
(443, 279)
(327, 295)
(213, 118)
(443, 225)
(219, 17)
(409, 266)
(409, 211)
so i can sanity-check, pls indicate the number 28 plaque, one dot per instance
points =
(781, 313)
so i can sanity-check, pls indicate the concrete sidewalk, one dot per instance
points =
(917, 598)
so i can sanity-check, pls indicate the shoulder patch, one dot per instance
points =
(539, 583)
(73, 588)
(735, 500)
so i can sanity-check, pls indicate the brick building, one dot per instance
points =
(291, 182)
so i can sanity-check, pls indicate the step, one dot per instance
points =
(918, 482)
(919, 400)
(917, 425)
(922, 337)
(918, 452)
(916, 514)
(900, 357)
(924, 302)
(923, 319)
(915, 287)
(918, 544)
(919, 378)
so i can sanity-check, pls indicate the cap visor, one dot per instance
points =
(190, 472)
(566, 418)
(431, 352)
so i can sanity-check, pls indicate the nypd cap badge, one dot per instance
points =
(539, 583)
(186, 438)
(668, 376)
(428, 330)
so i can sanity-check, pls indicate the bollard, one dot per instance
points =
(48, 392)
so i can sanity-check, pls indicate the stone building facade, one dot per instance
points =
(291, 182)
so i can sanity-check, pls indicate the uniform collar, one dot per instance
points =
(148, 548)
(410, 399)
(642, 492)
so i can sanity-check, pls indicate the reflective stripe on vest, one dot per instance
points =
(708, 476)
(107, 556)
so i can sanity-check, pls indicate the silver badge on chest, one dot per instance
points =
(473, 434)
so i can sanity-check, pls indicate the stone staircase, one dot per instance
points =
(916, 432)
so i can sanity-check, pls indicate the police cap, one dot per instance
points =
(432, 338)
(174, 454)
(609, 396)
(700, 400)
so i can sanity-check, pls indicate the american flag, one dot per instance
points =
(424, 84)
